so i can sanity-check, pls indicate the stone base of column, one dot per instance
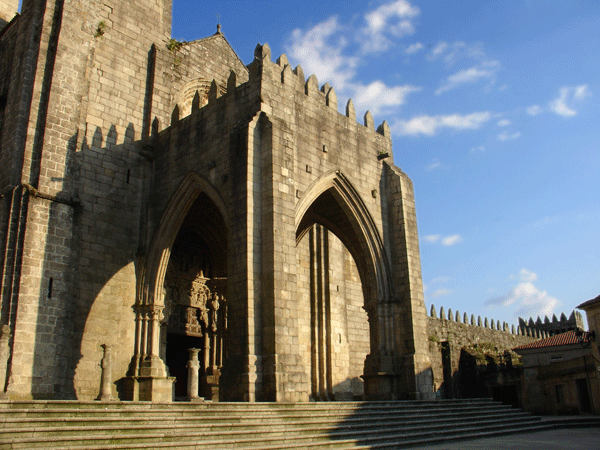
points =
(382, 378)
(244, 386)
(285, 379)
(149, 389)
(210, 384)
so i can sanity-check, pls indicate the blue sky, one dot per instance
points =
(494, 109)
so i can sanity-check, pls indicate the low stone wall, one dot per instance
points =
(449, 335)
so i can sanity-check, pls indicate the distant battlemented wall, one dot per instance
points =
(555, 326)
(449, 333)
(537, 329)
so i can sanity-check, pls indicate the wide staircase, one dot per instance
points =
(334, 425)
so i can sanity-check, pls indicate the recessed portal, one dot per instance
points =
(195, 304)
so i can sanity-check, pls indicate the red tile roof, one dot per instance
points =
(568, 338)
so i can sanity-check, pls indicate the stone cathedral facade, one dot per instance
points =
(158, 196)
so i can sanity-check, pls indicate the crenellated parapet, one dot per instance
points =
(537, 329)
(326, 94)
(523, 329)
(550, 327)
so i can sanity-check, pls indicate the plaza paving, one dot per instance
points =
(558, 439)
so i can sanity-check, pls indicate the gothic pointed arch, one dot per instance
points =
(333, 194)
(152, 278)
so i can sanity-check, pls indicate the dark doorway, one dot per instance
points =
(447, 370)
(177, 358)
(585, 404)
(508, 395)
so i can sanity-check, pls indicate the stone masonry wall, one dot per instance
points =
(459, 332)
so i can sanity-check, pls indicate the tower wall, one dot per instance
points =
(83, 74)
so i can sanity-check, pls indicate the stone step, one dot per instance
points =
(234, 413)
(275, 428)
(268, 406)
(249, 437)
(54, 425)
(199, 441)
(221, 422)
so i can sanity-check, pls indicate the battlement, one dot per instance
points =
(537, 329)
(554, 326)
(309, 87)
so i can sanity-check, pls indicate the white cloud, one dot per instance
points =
(436, 51)
(334, 52)
(320, 51)
(442, 279)
(527, 275)
(435, 164)
(414, 48)
(445, 241)
(524, 275)
(395, 19)
(506, 136)
(479, 148)
(451, 53)
(504, 123)
(468, 76)
(527, 300)
(534, 110)
(568, 95)
(451, 240)
(441, 292)
(378, 97)
(429, 125)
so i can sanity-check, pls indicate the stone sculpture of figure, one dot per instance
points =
(214, 306)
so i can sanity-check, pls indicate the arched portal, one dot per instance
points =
(343, 269)
(195, 284)
(181, 294)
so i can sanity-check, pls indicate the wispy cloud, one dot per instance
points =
(437, 285)
(429, 125)
(563, 104)
(504, 122)
(485, 71)
(394, 19)
(450, 53)
(437, 51)
(334, 52)
(435, 164)
(378, 97)
(446, 241)
(478, 149)
(414, 48)
(525, 299)
(506, 136)
(568, 95)
(534, 110)
(451, 240)
(441, 292)
(524, 275)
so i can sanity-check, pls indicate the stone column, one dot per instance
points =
(193, 367)
(154, 383)
(106, 376)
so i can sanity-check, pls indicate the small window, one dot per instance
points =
(555, 358)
